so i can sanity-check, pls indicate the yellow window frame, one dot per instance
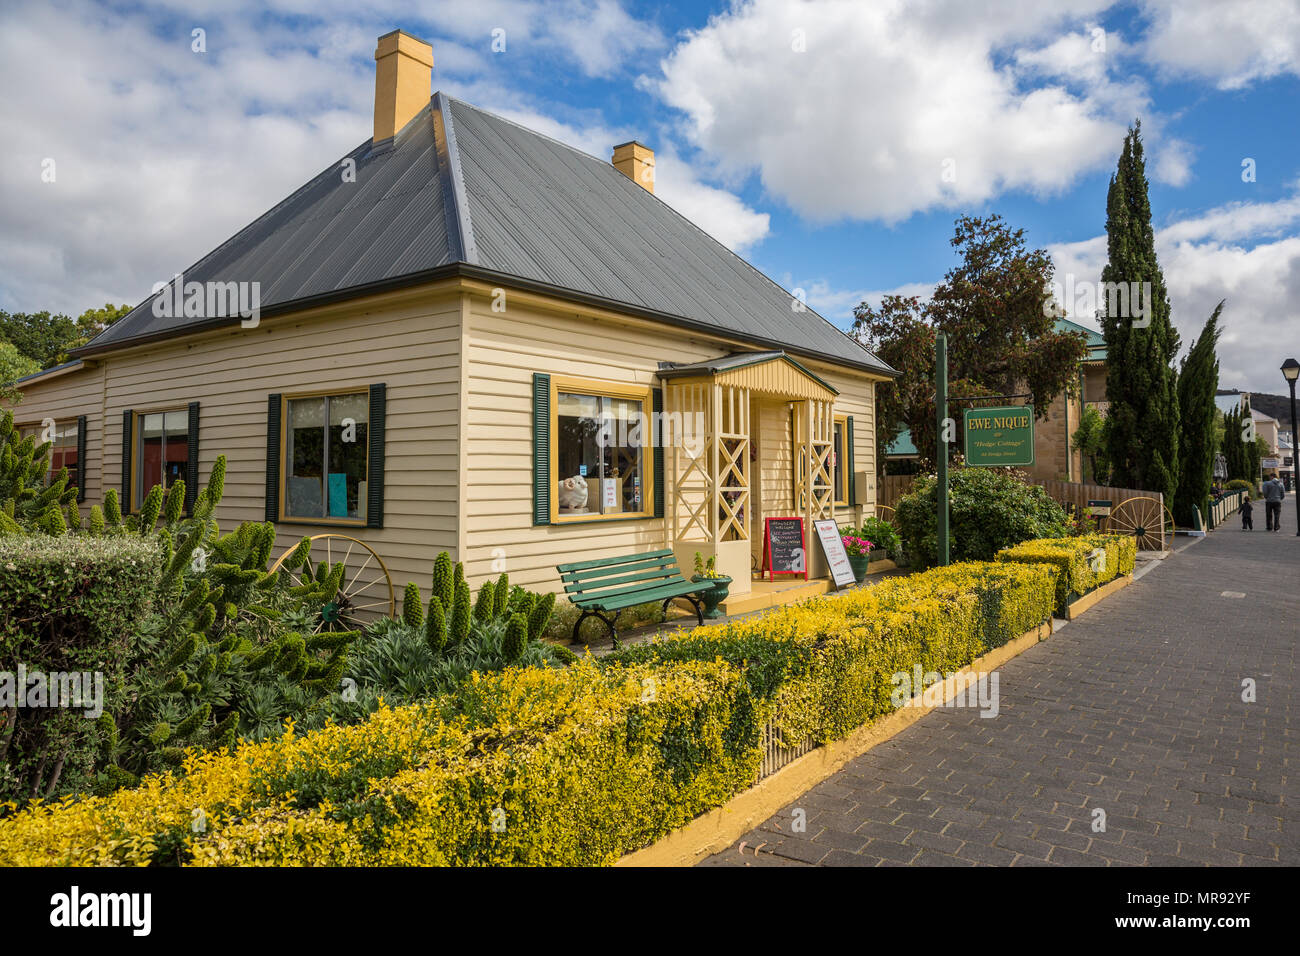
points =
(600, 388)
(285, 399)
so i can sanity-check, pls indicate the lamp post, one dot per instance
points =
(941, 451)
(1291, 371)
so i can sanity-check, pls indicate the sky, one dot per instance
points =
(830, 142)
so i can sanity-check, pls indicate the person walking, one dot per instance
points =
(1273, 495)
(1246, 523)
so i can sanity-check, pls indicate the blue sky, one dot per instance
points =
(831, 143)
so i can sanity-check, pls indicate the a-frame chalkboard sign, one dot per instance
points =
(784, 551)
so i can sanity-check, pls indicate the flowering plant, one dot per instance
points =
(856, 547)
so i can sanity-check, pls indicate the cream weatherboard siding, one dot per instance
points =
(411, 343)
(502, 351)
(66, 396)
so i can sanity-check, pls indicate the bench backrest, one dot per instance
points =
(622, 575)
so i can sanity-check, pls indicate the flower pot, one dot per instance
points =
(859, 562)
(712, 597)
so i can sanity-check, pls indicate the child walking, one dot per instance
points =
(1246, 509)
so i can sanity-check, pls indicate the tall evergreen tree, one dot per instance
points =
(1198, 380)
(1141, 384)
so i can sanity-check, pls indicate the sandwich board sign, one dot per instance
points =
(828, 533)
(783, 547)
(999, 437)
(1099, 507)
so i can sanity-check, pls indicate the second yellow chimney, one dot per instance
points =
(636, 162)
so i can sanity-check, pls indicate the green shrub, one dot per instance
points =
(1074, 559)
(883, 535)
(990, 509)
(67, 605)
(412, 613)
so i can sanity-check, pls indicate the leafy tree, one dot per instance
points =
(900, 335)
(13, 366)
(1198, 381)
(1141, 384)
(46, 339)
(1002, 339)
(1089, 439)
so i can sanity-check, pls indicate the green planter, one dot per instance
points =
(712, 597)
(859, 562)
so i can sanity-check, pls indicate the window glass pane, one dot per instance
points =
(348, 437)
(64, 454)
(304, 493)
(600, 455)
(150, 453)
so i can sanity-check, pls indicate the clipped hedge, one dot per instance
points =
(550, 766)
(527, 766)
(825, 667)
(67, 605)
(1072, 559)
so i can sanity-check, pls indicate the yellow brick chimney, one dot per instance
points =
(403, 76)
(637, 163)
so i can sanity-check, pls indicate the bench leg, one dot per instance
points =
(699, 610)
(609, 622)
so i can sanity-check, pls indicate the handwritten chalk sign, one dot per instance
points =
(783, 547)
(828, 533)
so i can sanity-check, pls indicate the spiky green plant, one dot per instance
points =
(412, 613)
(444, 579)
(435, 624)
(460, 615)
(516, 639)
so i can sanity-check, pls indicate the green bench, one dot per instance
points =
(612, 585)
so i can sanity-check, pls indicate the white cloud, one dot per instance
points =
(894, 108)
(162, 153)
(1232, 44)
(1204, 259)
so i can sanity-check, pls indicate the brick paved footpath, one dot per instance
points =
(1136, 708)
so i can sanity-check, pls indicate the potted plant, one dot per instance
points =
(711, 597)
(859, 552)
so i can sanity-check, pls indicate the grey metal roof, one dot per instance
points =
(460, 190)
(47, 371)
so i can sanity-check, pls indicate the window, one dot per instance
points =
(600, 432)
(840, 462)
(326, 457)
(66, 450)
(161, 451)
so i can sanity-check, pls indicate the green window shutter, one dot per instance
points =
(848, 461)
(657, 436)
(375, 471)
(128, 419)
(192, 459)
(541, 448)
(81, 458)
(273, 457)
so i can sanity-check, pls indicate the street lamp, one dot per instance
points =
(1291, 371)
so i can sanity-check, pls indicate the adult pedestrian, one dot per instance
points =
(1274, 492)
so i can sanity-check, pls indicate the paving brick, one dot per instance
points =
(1132, 708)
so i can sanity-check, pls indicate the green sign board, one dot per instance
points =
(997, 437)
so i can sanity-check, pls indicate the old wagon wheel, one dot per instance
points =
(880, 513)
(1147, 520)
(367, 586)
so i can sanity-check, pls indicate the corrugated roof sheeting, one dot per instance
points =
(532, 208)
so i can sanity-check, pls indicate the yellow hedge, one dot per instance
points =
(1073, 560)
(573, 766)
(550, 766)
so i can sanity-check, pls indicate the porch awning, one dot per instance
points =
(767, 373)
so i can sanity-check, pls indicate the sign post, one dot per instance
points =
(999, 437)
(941, 452)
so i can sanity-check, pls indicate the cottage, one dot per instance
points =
(472, 337)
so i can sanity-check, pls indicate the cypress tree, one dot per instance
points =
(1198, 380)
(1141, 384)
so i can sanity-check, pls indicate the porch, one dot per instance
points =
(747, 437)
